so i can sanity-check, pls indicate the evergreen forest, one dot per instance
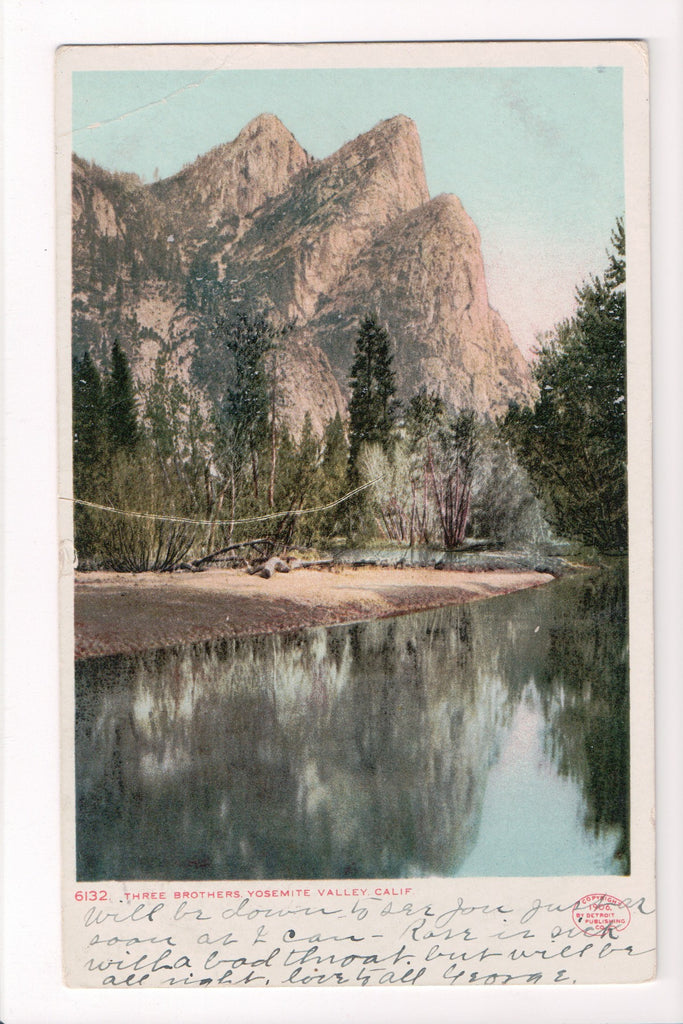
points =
(217, 468)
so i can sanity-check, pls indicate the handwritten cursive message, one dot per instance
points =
(332, 936)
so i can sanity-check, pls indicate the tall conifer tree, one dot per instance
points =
(245, 409)
(573, 442)
(89, 415)
(372, 407)
(124, 432)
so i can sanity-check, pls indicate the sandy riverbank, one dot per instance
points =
(121, 613)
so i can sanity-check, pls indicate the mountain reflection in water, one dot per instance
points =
(485, 739)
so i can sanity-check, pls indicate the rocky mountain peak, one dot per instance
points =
(235, 178)
(391, 155)
(306, 239)
(320, 242)
(266, 124)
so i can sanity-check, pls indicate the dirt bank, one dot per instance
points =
(120, 613)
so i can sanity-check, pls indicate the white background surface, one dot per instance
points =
(31, 973)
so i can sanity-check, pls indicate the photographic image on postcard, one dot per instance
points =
(350, 473)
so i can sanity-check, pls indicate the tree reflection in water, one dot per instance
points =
(358, 751)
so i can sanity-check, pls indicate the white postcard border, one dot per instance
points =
(587, 965)
(20, 992)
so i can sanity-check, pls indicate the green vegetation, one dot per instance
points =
(573, 442)
(116, 463)
(227, 455)
(372, 406)
(237, 466)
(122, 424)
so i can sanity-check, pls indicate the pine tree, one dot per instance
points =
(89, 416)
(335, 452)
(573, 442)
(245, 409)
(298, 482)
(372, 407)
(123, 429)
(90, 450)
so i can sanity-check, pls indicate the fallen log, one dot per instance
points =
(273, 565)
(361, 563)
(259, 541)
(299, 564)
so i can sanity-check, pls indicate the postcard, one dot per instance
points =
(356, 544)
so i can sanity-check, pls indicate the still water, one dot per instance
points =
(485, 739)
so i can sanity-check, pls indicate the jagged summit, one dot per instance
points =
(391, 152)
(266, 122)
(307, 238)
(235, 178)
(318, 241)
(392, 132)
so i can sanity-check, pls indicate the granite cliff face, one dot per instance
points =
(225, 186)
(307, 239)
(317, 242)
(424, 275)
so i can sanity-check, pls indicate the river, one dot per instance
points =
(484, 739)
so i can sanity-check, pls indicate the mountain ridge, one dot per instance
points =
(318, 243)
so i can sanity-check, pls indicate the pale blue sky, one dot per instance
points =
(535, 154)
